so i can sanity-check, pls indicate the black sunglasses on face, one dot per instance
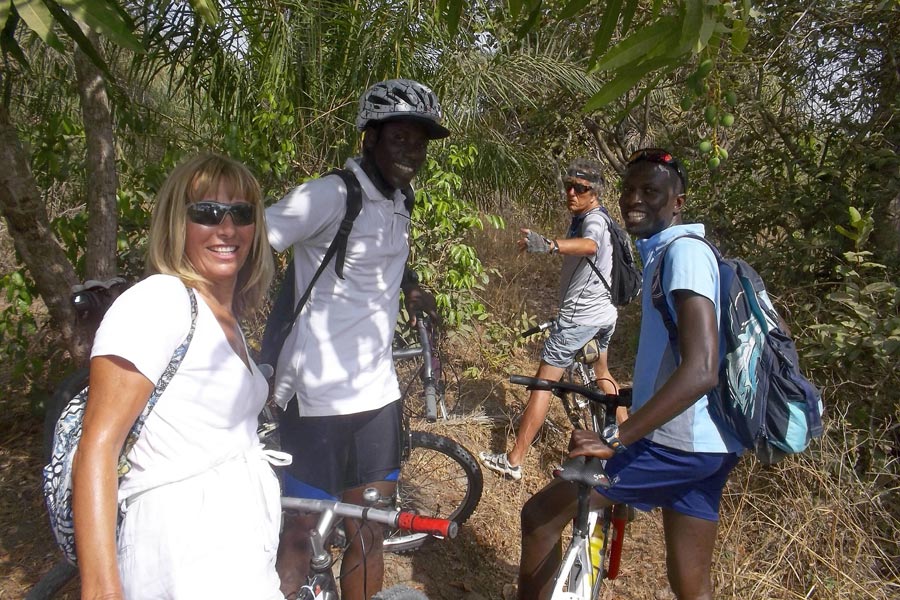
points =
(579, 188)
(660, 157)
(212, 213)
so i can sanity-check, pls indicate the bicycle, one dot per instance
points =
(320, 584)
(594, 553)
(580, 372)
(438, 476)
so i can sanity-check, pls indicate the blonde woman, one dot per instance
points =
(200, 503)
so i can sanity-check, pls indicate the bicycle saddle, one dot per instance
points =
(585, 471)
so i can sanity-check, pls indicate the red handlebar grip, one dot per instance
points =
(430, 525)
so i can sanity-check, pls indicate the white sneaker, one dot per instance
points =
(499, 463)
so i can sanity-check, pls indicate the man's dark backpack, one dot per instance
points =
(625, 281)
(762, 397)
(285, 310)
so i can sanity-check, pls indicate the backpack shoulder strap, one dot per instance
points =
(409, 199)
(354, 205)
(608, 221)
(658, 294)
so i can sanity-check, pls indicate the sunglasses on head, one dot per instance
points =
(660, 157)
(212, 213)
(578, 187)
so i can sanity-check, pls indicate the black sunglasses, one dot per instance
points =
(578, 187)
(660, 157)
(212, 213)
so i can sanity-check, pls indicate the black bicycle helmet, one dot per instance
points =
(402, 99)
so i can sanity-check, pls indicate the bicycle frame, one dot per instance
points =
(429, 381)
(320, 583)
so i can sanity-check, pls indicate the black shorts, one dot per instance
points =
(336, 453)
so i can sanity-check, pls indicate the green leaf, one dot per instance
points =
(207, 9)
(454, 11)
(706, 31)
(529, 24)
(693, 21)
(515, 8)
(878, 287)
(607, 27)
(38, 18)
(657, 6)
(740, 35)
(855, 216)
(625, 81)
(628, 15)
(103, 18)
(638, 45)
(84, 44)
(5, 10)
(9, 44)
(572, 8)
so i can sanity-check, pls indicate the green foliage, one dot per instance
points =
(18, 327)
(441, 252)
(863, 312)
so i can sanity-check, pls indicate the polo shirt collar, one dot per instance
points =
(369, 190)
(649, 246)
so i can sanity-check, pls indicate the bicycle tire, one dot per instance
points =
(53, 580)
(400, 592)
(62, 394)
(579, 416)
(439, 479)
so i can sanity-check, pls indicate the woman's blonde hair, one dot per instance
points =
(193, 180)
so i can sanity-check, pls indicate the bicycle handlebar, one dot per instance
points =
(538, 328)
(394, 518)
(623, 398)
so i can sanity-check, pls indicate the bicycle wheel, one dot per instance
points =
(400, 592)
(53, 581)
(439, 479)
(65, 391)
(578, 408)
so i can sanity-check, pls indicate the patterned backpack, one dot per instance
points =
(57, 474)
(762, 397)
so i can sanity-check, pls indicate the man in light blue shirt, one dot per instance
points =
(669, 453)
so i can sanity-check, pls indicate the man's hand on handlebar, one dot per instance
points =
(418, 300)
(588, 443)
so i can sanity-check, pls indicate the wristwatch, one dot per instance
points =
(610, 437)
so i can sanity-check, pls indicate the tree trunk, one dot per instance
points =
(29, 226)
(102, 179)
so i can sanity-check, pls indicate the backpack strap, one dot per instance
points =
(274, 337)
(658, 294)
(606, 219)
(338, 245)
(168, 373)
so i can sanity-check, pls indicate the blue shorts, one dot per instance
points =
(648, 475)
(567, 339)
(337, 453)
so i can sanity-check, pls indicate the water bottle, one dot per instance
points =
(595, 543)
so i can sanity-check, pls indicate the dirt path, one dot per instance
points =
(479, 564)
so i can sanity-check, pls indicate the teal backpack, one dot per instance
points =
(762, 397)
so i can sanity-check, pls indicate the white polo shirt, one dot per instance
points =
(337, 358)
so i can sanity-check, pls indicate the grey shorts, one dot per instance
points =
(567, 339)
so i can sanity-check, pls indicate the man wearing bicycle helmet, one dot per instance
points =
(586, 313)
(670, 453)
(335, 375)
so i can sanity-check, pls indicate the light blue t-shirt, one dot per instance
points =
(689, 265)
